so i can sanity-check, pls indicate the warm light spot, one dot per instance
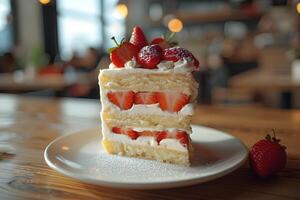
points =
(66, 148)
(44, 1)
(298, 7)
(122, 10)
(175, 25)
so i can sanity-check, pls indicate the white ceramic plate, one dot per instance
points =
(80, 156)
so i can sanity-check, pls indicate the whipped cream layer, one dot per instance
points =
(147, 141)
(181, 66)
(154, 109)
(146, 109)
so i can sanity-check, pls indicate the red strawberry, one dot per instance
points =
(138, 37)
(165, 41)
(149, 56)
(145, 98)
(131, 133)
(183, 137)
(124, 100)
(161, 135)
(117, 130)
(149, 133)
(122, 53)
(172, 101)
(177, 53)
(267, 156)
(161, 42)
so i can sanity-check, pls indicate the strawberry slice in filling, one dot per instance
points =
(170, 101)
(179, 135)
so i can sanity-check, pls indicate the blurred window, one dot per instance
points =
(83, 24)
(79, 26)
(113, 22)
(6, 36)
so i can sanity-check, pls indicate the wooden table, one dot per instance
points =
(27, 125)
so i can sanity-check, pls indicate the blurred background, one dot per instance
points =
(249, 50)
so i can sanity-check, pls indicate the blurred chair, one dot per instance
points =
(274, 59)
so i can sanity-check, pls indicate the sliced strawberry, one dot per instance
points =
(149, 56)
(161, 135)
(172, 101)
(117, 130)
(131, 133)
(161, 42)
(124, 100)
(177, 53)
(183, 137)
(145, 98)
(149, 133)
(138, 37)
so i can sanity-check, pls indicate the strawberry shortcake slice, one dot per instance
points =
(147, 96)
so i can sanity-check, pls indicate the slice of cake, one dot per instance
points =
(147, 98)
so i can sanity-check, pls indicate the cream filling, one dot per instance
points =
(168, 143)
(140, 129)
(154, 109)
(181, 66)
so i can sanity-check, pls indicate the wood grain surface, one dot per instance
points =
(27, 125)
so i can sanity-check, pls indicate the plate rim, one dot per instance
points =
(145, 185)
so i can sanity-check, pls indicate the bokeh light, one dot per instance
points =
(298, 7)
(44, 1)
(175, 25)
(122, 10)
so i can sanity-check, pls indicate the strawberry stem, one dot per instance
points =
(274, 139)
(170, 36)
(268, 137)
(123, 40)
(274, 132)
(114, 39)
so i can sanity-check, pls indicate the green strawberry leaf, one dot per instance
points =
(109, 50)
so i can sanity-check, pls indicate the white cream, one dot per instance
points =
(169, 143)
(147, 141)
(131, 64)
(181, 66)
(165, 65)
(159, 128)
(113, 66)
(154, 109)
(186, 110)
(172, 144)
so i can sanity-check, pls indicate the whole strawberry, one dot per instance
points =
(267, 156)
(138, 37)
(149, 56)
(177, 53)
(165, 41)
(122, 53)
